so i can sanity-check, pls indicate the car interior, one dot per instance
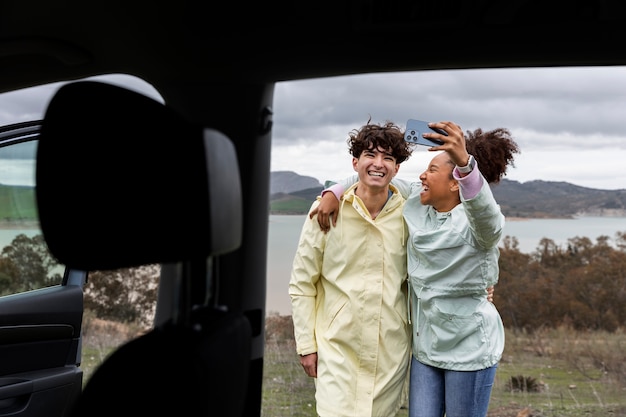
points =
(123, 180)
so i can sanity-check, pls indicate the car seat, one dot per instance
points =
(123, 181)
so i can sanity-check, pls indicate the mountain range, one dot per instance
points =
(291, 193)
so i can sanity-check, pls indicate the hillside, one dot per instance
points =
(293, 194)
(540, 199)
(290, 182)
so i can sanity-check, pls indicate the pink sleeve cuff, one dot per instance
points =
(470, 184)
(336, 189)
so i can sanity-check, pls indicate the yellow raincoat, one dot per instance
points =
(349, 304)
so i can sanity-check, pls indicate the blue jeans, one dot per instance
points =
(434, 392)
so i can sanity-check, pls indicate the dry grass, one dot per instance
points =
(575, 374)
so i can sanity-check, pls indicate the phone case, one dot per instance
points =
(414, 130)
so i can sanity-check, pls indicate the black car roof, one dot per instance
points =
(260, 42)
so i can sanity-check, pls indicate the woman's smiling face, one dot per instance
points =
(439, 189)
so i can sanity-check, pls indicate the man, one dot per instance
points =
(348, 287)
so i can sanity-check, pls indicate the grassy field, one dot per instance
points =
(553, 373)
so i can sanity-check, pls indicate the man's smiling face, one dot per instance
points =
(376, 167)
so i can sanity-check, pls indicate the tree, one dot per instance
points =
(26, 264)
(9, 274)
(126, 295)
(582, 285)
(509, 296)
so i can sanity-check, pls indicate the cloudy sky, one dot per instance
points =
(570, 123)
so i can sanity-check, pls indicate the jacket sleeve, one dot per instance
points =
(483, 212)
(339, 187)
(404, 186)
(304, 284)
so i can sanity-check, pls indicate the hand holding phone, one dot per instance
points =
(414, 130)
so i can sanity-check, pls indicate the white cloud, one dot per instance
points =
(570, 123)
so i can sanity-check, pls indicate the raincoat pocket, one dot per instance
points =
(454, 338)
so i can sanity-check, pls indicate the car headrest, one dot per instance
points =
(122, 181)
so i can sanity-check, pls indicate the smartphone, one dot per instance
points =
(414, 130)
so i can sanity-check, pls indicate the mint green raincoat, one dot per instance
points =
(452, 259)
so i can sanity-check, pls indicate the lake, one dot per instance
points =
(8, 234)
(284, 232)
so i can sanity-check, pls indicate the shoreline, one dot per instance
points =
(19, 224)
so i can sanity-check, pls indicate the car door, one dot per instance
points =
(41, 302)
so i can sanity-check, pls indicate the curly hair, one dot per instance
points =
(493, 151)
(387, 136)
